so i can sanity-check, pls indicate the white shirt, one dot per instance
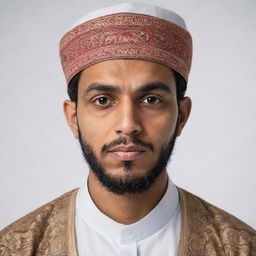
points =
(156, 234)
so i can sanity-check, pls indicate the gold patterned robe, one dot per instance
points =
(205, 230)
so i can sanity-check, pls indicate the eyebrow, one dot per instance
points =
(113, 89)
(154, 86)
(101, 87)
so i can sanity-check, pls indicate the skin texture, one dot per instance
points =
(125, 110)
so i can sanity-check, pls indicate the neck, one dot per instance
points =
(126, 208)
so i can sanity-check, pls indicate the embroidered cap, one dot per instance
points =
(127, 31)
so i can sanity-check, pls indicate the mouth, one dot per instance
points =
(127, 153)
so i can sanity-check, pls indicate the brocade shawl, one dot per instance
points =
(205, 230)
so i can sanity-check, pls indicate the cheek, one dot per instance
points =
(93, 131)
(162, 127)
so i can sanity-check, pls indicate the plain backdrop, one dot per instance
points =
(215, 156)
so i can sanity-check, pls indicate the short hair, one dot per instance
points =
(181, 86)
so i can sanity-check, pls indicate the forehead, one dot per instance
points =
(128, 73)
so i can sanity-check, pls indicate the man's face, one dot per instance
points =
(127, 121)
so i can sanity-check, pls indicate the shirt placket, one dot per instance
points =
(129, 249)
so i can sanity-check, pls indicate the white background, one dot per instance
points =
(215, 156)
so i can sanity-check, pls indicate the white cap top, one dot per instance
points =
(138, 8)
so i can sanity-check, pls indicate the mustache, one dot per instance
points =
(124, 140)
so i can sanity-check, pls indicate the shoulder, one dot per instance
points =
(216, 227)
(28, 233)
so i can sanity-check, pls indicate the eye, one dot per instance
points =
(102, 101)
(151, 100)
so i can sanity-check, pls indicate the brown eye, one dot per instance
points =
(151, 100)
(102, 101)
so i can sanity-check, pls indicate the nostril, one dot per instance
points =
(133, 132)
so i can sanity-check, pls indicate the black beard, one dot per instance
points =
(120, 185)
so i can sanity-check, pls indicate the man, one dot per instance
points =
(127, 68)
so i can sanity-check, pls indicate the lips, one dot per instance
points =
(127, 153)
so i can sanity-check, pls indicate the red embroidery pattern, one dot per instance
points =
(129, 36)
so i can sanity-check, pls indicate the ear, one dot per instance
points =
(70, 114)
(184, 112)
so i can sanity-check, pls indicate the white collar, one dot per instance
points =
(125, 234)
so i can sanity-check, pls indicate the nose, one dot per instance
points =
(128, 120)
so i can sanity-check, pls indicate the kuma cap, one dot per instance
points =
(127, 31)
